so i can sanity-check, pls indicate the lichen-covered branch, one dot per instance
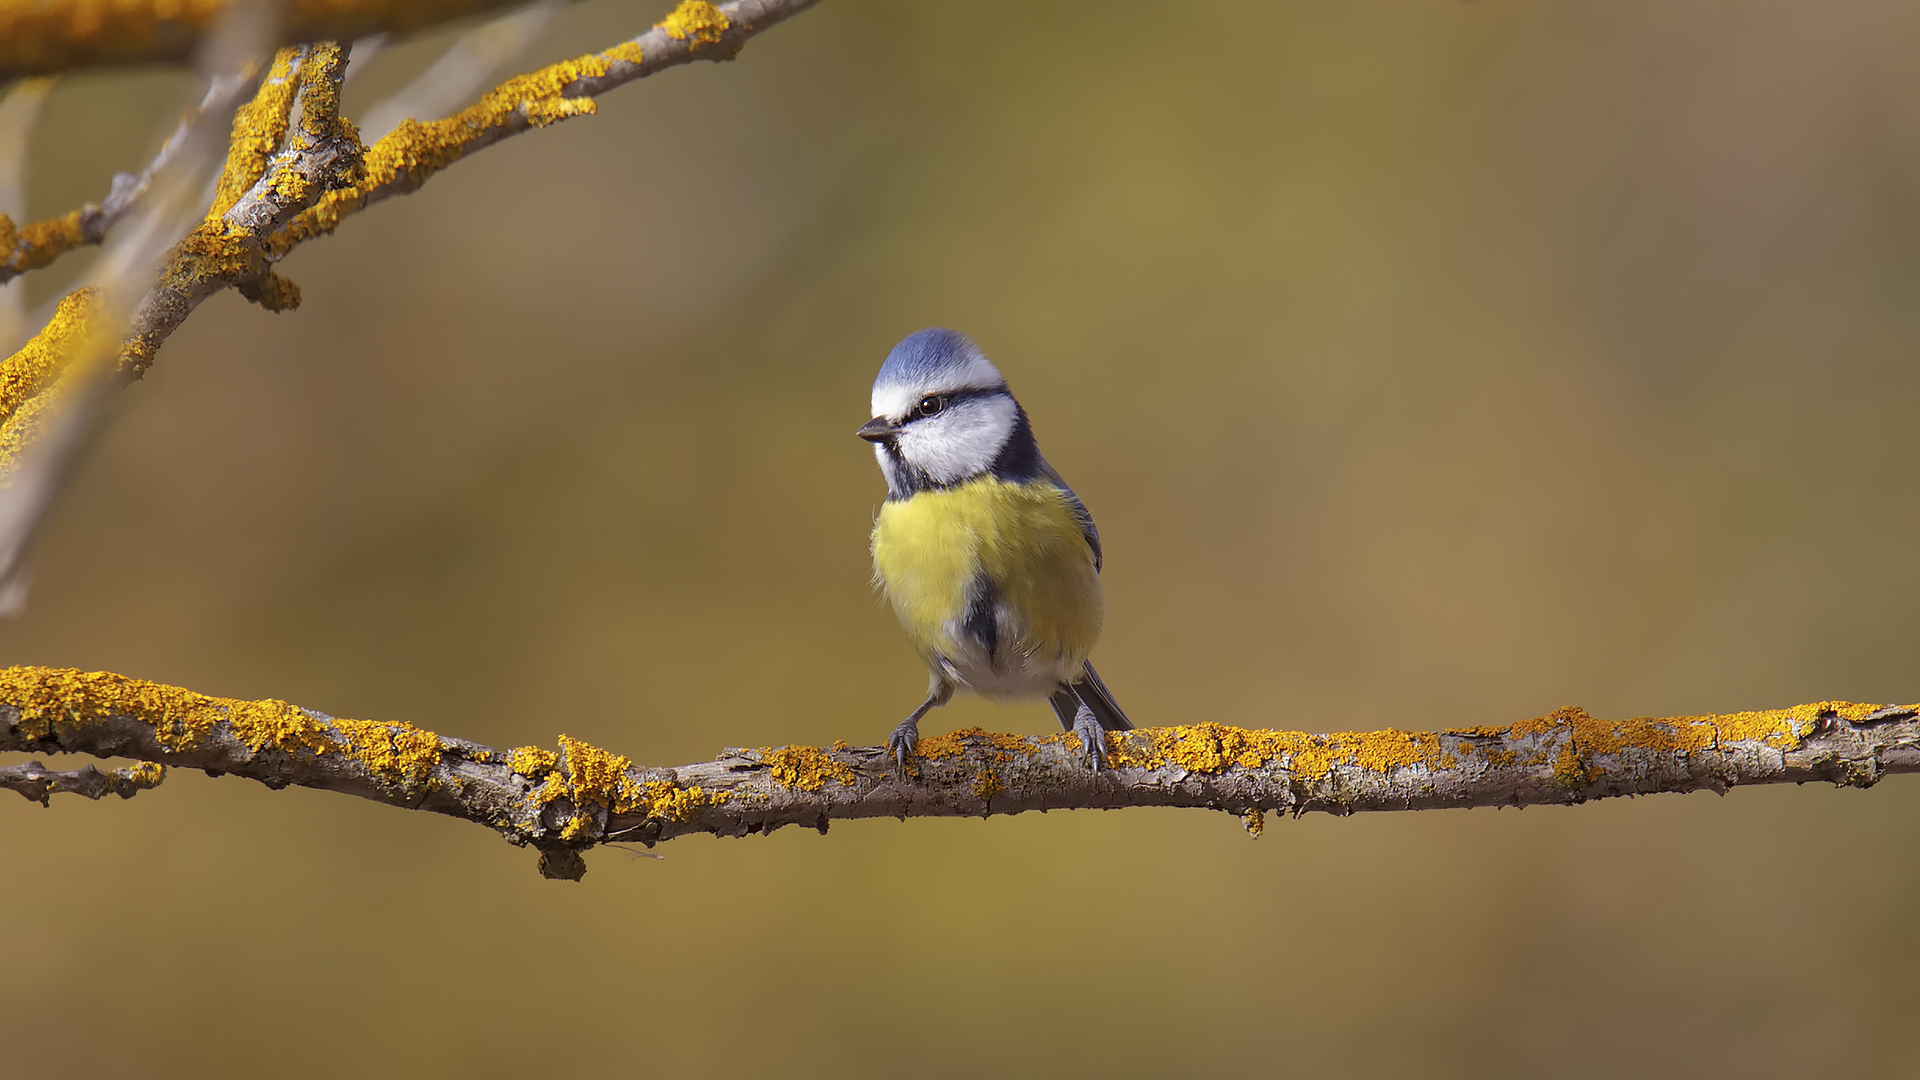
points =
(466, 68)
(404, 160)
(39, 783)
(295, 168)
(566, 800)
(409, 150)
(38, 244)
(41, 37)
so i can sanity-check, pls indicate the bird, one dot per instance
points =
(989, 560)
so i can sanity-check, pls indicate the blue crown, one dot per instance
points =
(934, 355)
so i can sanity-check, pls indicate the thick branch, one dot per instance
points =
(42, 37)
(568, 800)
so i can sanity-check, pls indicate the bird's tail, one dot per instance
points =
(1093, 693)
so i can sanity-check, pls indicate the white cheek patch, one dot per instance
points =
(960, 442)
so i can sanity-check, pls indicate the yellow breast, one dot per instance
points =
(929, 549)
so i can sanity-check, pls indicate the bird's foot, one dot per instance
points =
(901, 743)
(1093, 738)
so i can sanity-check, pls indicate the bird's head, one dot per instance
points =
(941, 412)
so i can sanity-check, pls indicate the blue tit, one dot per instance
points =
(989, 559)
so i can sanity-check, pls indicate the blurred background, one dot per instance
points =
(1425, 365)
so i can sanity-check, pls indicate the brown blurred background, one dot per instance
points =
(1425, 364)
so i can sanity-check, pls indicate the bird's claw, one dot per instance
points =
(901, 743)
(1093, 738)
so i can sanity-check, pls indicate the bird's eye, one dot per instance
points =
(929, 405)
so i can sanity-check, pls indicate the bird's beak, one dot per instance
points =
(877, 429)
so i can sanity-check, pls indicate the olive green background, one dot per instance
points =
(1425, 364)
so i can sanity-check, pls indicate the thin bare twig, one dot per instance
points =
(567, 800)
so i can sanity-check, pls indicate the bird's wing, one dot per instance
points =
(1080, 515)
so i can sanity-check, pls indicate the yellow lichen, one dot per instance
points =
(399, 752)
(698, 20)
(671, 802)
(1204, 748)
(987, 785)
(555, 789)
(1255, 821)
(1001, 747)
(271, 291)
(280, 726)
(40, 361)
(598, 776)
(805, 768)
(183, 721)
(36, 244)
(415, 150)
(532, 762)
(258, 128)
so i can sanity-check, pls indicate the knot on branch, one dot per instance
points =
(270, 291)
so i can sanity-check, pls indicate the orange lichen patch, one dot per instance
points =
(36, 244)
(988, 784)
(532, 762)
(143, 774)
(805, 768)
(1201, 747)
(278, 725)
(258, 128)
(1380, 751)
(598, 776)
(393, 751)
(183, 721)
(1210, 748)
(695, 19)
(1001, 747)
(1779, 728)
(555, 789)
(671, 802)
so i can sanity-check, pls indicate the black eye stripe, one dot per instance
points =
(946, 399)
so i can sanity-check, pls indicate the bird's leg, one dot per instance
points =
(1093, 738)
(902, 741)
